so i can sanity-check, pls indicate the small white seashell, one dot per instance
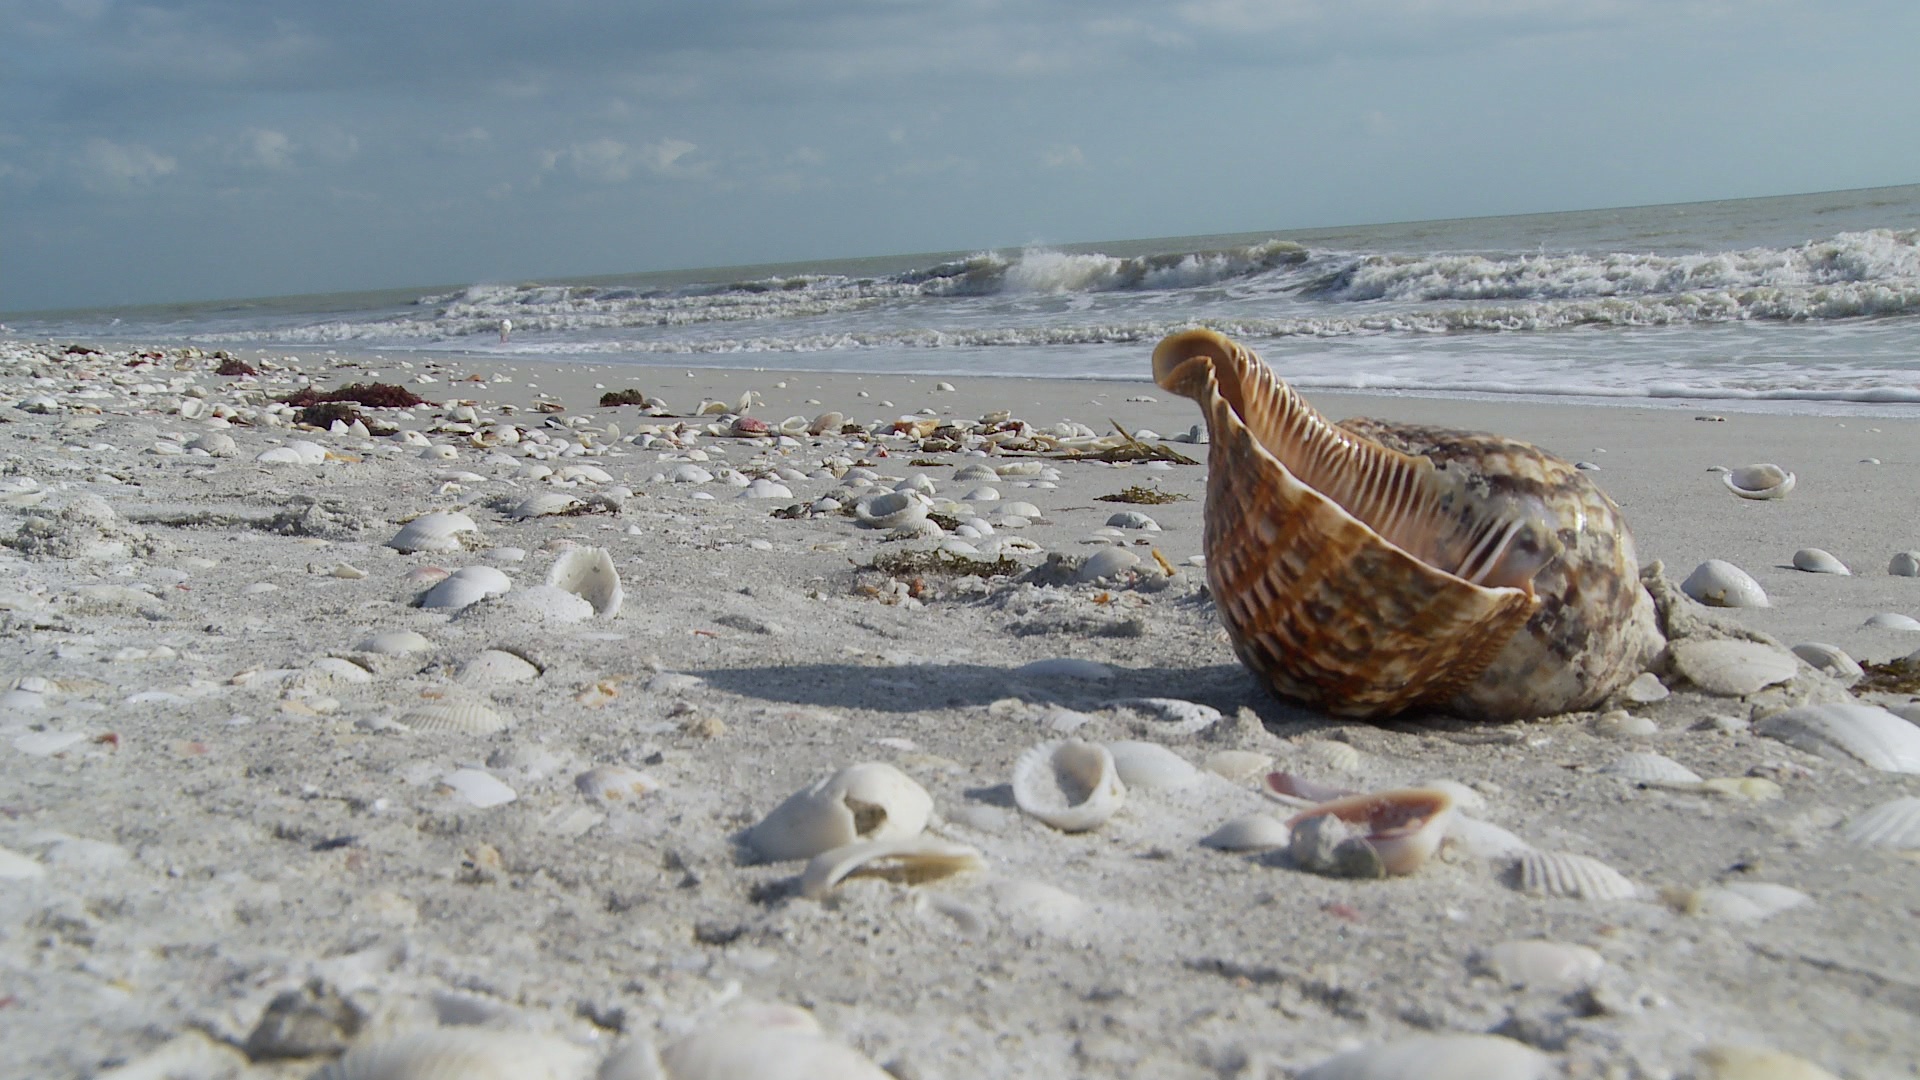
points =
(1816, 561)
(1830, 659)
(455, 593)
(1756, 1063)
(1718, 583)
(17, 867)
(336, 669)
(544, 504)
(1904, 564)
(215, 444)
(549, 604)
(462, 1053)
(1746, 901)
(908, 860)
(1848, 732)
(1731, 668)
(1645, 689)
(889, 510)
(1070, 784)
(689, 474)
(394, 643)
(865, 802)
(1253, 832)
(498, 665)
(764, 488)
(1133, 519)
(1644, 768)
(1893, 620)
(764, 1042)
(1894, 824)
(1484, 839)
(615, 784)
(1758, 481)
(588, 573)
(1620, 724)
(454, 718)
(1151, 767)
(983, 493)
(435, 532)
(1181, 717)
(974, 473)
(1437, 1057)
(1238, 766)
(478, 787)
(1543, 965)
(47, 743)
(1019, 509)
(1106, 563)
(1563, 875)
(1065, 667)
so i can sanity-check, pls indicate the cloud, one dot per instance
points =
(1063, 156)
(262, 148)
(609, 161)
(117, 168)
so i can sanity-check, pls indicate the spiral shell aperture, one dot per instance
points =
(1370, 568)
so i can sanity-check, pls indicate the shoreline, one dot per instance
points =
(226, 820)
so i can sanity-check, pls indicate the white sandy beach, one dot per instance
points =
(204, 811)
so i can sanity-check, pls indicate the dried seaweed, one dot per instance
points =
(948, 563)
(1131, 450)
(372, 395)
(323, 414)
(1137, 494)
(1901, 676)
(233, 365)
(614, 398)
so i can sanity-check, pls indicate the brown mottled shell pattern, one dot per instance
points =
(1332, 614)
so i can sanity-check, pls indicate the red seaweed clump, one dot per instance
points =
(372, 395)
(233, 365)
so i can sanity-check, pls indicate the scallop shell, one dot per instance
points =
(588, 572)
(462, 1053)
(1646, 768)
(1437, 1057)
(1070, 784)
(1848, 732)
(1831, 660)
(1547, 965)
(1816, 561)
(1563, 875)
(435, 532)
(866, 802)
(908, 860)
(1401, 828)
(1731, 668)
(545, 504)
(498, 665)
(455, 593)
(1894, 824)
(1370, 568)
(1718, 583)
(454, 718)
(1764, 481)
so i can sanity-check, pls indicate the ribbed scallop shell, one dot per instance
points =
(498, 665)
(1894, 824)
(1848, 732)
(454, 718)
(1371, 568)
(435, 532)
(462, 1053)
(1070, 784)
(1645, 768)
(1563, 875)
(1437, 1057)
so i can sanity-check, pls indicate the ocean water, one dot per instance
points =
(1806, 303)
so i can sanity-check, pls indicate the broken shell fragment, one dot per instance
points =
(867, 802)
(1729, 668)
(765, 1042)
(1070, 784)
(1369, 568)
(615, 784)
(1543, 965)
(588, 573)
(1400, 829)
(1894, 824)
(906, 860)
(1766, 481)
(461, 1053)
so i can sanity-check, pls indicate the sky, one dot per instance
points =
(204, 149)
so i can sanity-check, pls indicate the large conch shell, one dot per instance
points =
(1370, 568)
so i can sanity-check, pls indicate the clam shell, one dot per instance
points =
(435, 532)
(1830, 659)
(1848, 732)
(1894, 824)
(454, 718)
(1437, 1057)
(1718, 583)
(1403, 828)
(1816, 561)
(1893, 620)
(907, 860)
(544, 504)
(588, 573)
(1543, 965)
(498, 665)
(462, 1053)
(1253, 832)
(1746, 901)
(1904, 564)
(1151, 767)
(1070, 784)
(1644, 768)
(866, 802)
(454, 593)
(1370, 568)
(1766, 481)
(1731, 668)
(764, 1042)
(394, 643)
(1562, 875)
